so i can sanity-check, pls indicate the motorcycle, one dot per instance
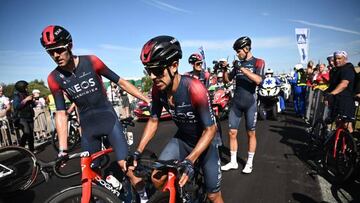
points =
(268, 99)
(142, 112)
(220, 98)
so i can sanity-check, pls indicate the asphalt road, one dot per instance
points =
(282, 172)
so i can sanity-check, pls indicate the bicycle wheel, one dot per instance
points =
(160, 197)
(73, 195)
(340, 165)
(23, 169)
(73, 139)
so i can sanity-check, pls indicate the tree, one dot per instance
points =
(147, 83)
(35, 84)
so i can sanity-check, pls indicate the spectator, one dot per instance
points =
(24, 112)
(125, 104)
(40, 123)
(321, 79)
(4, 104)
(113, 94)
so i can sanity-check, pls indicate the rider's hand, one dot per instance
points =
(62, 156)
(237, 64)
(186, 168)
(329, 98)
(134, 158)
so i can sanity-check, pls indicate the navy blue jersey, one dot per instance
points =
(203, 77)
(83, 86)
(191, 112)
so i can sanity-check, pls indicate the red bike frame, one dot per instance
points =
(88, 175)
(339, 129)
(170, 185)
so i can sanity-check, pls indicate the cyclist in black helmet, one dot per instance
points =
(248, 73)
(188, 102)
(80, 78)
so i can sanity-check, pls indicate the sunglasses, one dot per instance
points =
(157, 71)
(198, 63)
(58, 49)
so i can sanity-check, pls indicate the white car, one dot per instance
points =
(285, 87)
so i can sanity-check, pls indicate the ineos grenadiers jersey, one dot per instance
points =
(191, 112)
(203, 77)
(83, 86)
(244, 93)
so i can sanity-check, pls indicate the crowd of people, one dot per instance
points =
(185, 96)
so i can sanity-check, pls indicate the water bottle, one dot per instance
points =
(130, 138)
(114, 182)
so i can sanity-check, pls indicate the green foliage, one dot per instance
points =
(147, 83)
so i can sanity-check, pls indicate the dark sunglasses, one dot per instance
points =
(58, 50)
(198, 63)
(157, 71)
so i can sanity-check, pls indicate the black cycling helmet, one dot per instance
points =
(195, 57)
(241, 43)
(160, 51)
(21, 85)
(54, 34)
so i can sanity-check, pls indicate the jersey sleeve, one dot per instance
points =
(201, 101)
(260, 67)
(57, 93)
(347, 74)
(156, 105)
(102, 69)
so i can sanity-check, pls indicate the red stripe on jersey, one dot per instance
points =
(198, 93)
(97, 64)
(53, 85)
(259, 64)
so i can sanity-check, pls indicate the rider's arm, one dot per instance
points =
(148, 134)
(60, 116)
(340, 87)
(61, 128)
(200, 100)
(252, 76)
(131, 89)
(153, 122)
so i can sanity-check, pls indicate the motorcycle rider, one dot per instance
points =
(248, 74)
(269, 78)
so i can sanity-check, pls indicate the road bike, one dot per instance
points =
(193, 191)
(94, 187)
(19, 168)
(340, 154)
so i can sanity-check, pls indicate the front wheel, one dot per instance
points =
(73, 194)
(18, 169)
(262, 112)
(340, 158)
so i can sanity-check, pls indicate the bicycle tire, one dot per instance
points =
(23, 164)
(160, 197)
(338, 169)
(73, 195)
(73, 139)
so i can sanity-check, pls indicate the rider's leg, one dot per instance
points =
(251, 117)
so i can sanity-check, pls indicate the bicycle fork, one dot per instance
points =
(170, 186)
(337, 137)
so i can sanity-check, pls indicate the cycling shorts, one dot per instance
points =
(209, 161)
(250, 116)
(345, 108)
(100, 123)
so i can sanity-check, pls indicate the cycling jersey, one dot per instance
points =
(244, 100)
(85, 88)
(203, 77)
(191, 112)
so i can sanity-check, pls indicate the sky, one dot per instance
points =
(116, 30)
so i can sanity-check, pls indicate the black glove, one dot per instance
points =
(134, 157)
(329, 98)
(237, 64)
(186, 167)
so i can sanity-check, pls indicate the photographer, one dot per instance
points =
(24, 112)
(220, 65)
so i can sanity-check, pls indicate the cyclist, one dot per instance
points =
(188, 102)
(248, 74)
(23, 104)
(198, 72)
(341, 90)
(79, 77)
